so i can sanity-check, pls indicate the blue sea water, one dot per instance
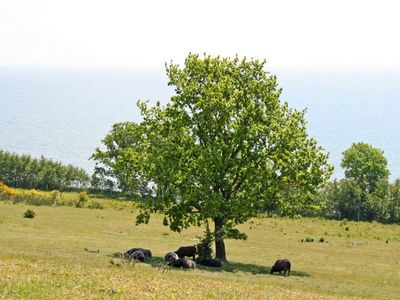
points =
(64, 113)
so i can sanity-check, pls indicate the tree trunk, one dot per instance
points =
(219, 240)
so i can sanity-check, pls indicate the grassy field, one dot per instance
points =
(66, 252)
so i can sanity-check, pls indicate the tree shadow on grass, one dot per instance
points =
(233, 267)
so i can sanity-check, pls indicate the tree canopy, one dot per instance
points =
(224, 148)
(365, 164)
(365, 193)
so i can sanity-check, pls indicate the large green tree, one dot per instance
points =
(224, 148)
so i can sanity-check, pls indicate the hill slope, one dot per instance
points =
(65, 252)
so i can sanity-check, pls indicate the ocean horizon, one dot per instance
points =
(64, 113)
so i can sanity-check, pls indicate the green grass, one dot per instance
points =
(66, 252)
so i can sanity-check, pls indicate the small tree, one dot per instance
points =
(204, 248)
(29, 214)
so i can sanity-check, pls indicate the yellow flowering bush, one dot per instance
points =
(6, 190)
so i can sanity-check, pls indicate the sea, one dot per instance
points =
(64, 113)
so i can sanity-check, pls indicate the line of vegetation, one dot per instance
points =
(24, 171)
(54, 198)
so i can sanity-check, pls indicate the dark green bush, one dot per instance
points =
(307, 240)
(204, 248)
(165, 221)
(30, 214)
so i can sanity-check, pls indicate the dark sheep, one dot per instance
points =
(137, 255)
(210, 262)
(170, 257)
(186, 251)
(281, 265)
(183, 263)
(147, 253)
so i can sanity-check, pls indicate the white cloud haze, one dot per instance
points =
(146, 34)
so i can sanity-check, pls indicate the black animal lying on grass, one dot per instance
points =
(189, 251)
(182, 263)
(137, 255)
(170, 257)
(210, 262)
(281, 265)
(147, 253)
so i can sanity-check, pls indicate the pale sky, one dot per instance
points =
(146, 34)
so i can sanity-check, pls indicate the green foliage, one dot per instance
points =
(224, 148)
(119, 161)
(29, 214)
(365, 193)
(204, 248)
(394, 202)
(23, 171)
(366, 165)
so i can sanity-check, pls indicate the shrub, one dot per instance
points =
(204, 248)
(30, 214)
(95, 205)
(37, 198)
(55, 197)
(82, 199)
(322, 239)
(165, 221)
(7, 191)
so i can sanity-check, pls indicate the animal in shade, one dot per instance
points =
(189, 251)
(147, 252)
(170, 257)
(137, 255)
(183, 263)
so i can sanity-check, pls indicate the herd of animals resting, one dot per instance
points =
(178, 259)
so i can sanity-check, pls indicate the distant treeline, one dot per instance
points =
(24, 171)
(365, 193)
(345, 199)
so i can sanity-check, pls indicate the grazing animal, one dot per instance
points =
(186, 251)
(210, 262)
(281, 265)
(147, 253)
(170, 257)
(183, 263)
(137, 255)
